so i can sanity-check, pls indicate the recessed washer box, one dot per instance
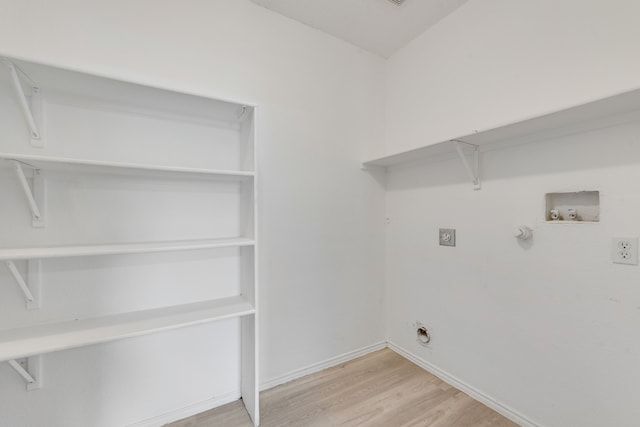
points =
(573, 207)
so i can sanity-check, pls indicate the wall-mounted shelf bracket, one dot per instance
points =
(31, 105)
(473, 167)
(30, 369)
(35, 193)
(31, 287)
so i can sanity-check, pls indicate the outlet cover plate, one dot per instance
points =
(624, 250)
(447, 237)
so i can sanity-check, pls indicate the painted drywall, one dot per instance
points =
(494, 62)
(547, 328)
(321, 264)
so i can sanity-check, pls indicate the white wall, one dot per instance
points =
(494, 62)
(547, 329)
(321, 264)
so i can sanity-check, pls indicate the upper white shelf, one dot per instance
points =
(411, 155)
(48, 163)
(592, 115)
(46, 338)
(13, 254)
(174, 102)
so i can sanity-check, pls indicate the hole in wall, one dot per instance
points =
(423, 336)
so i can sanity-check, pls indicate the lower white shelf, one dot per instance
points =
(46, 338)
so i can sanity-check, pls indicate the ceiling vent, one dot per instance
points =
(397, 2)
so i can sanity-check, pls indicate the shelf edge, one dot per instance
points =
(126, 166)
(118, 249)
(114, 329)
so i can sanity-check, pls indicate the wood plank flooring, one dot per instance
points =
(381, 389)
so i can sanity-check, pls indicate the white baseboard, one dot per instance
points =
(317, 367)
(504, 410)
(208, 404)
(188, 411)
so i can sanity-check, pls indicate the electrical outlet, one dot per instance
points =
(447, 237)
(624, 250)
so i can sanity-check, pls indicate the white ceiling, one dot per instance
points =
(378, 26)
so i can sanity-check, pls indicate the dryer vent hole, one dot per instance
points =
(423, 335)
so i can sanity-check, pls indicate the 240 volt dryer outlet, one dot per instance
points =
(624, 250)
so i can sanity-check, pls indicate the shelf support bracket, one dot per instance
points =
(34, 197)
(31, 287)
(30, 369)
(242, 112)
(472, 168)
(30, 105)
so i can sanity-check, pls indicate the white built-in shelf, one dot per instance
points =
(129, 96)
(47, 163)
(46, 338)
(593, 115)
(65, 122)
(41, 252)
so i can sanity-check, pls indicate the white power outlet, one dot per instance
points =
(624, 250)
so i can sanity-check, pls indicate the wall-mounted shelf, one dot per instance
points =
(428, 151)
(608, 111)
(14, 254)
(467, 152)
(59, 164)
(41, 339)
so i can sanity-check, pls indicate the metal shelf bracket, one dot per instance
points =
(35, 194)
(31, 105)
(30, 369)
(473, 168)
(31, 287)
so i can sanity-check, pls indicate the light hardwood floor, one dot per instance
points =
(380, 389)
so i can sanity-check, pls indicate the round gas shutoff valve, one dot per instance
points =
(522, 232)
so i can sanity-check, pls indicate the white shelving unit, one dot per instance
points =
(604, 112)
(73, 125)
